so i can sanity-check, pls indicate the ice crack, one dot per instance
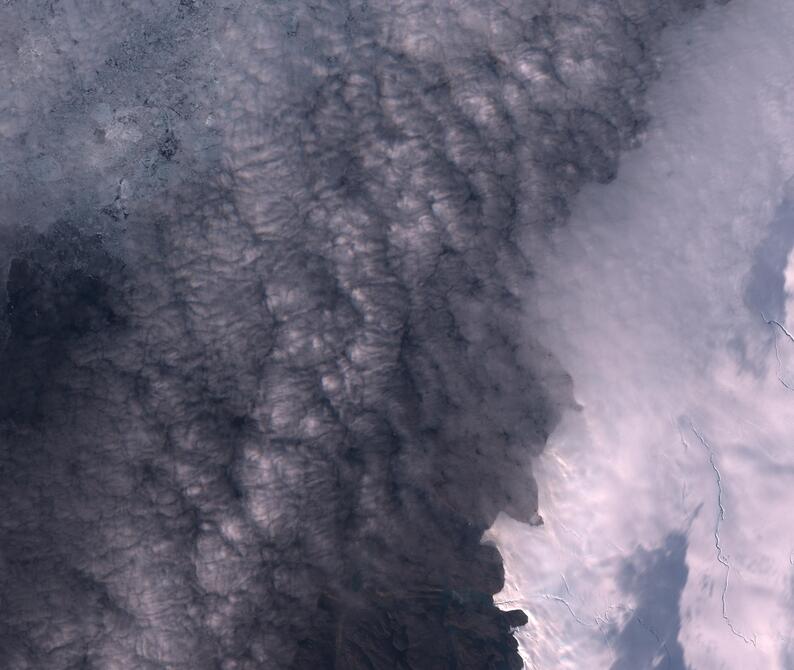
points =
(721, 556)
(772, 322)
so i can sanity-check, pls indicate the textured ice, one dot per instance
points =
(270, 353)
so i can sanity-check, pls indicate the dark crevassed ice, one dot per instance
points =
(264, 375)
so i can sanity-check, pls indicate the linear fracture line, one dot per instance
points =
(565, 583)
(684, 443)
(721, 557)
(772, 322)
(779, 366)
(598, 619)
(558, 599)
(661, 642)
(777, 350)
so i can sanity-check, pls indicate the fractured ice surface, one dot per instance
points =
(265, 371)
(668, 299)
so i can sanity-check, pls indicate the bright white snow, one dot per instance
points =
(687, 420)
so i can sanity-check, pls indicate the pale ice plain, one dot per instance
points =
(669, 297)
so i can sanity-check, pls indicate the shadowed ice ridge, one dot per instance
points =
(264, 382)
